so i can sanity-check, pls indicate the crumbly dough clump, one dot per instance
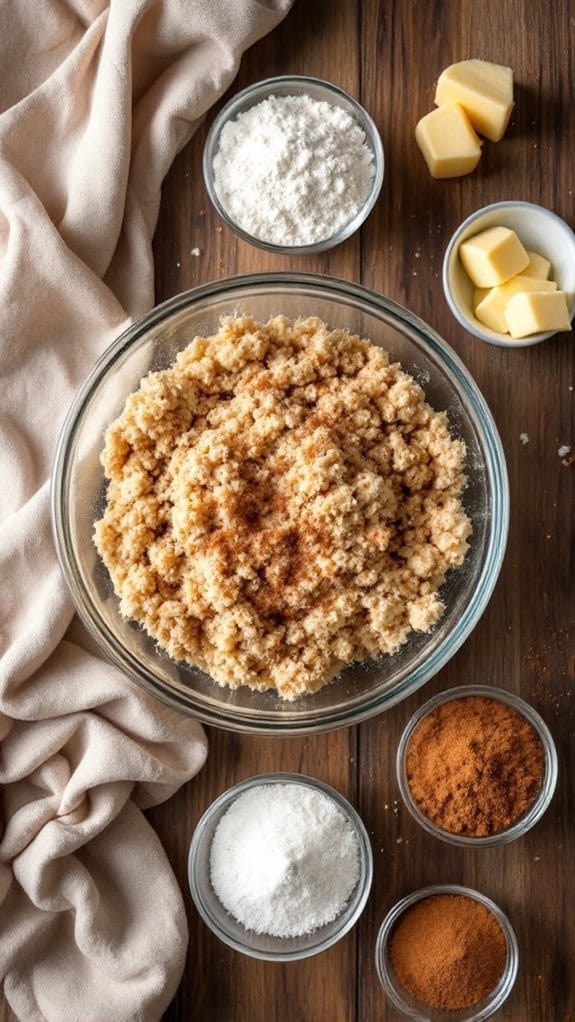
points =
(281, 501)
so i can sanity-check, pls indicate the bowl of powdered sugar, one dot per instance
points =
(280, 867)
(293, 164)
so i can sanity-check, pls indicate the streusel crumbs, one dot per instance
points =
(281, 502)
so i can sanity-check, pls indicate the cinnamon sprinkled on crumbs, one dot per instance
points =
(281, 501)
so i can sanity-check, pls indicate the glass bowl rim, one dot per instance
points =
(500, 992)
(261, 90)
(372, 303)
(360, 892)
(528, 819)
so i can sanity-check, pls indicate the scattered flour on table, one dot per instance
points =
(284, 860)
(293, 170)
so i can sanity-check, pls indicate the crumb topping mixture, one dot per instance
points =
(281, 501)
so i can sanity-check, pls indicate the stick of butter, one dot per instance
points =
(493, 256)
(490, 310)
(530, 312)
(448, 142)
(485, 91)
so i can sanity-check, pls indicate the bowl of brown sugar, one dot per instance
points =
(446, 952)
(476, 765)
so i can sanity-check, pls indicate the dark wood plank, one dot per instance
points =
(524, 641)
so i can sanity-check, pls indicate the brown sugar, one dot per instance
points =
(474, 766)
(448, 951)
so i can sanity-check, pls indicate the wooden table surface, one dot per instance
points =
(389, 54)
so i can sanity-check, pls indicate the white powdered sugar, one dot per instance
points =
(284, 860)
(293, 170)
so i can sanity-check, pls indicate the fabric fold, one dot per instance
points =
(96, 99)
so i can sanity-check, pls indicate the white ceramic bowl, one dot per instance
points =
(539, 230)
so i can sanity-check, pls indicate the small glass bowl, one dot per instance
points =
(531, 816)
(295, 85)
(415, 1009)
(232, 933)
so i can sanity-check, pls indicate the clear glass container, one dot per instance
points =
(317, 89)
(257, 945)
(415, 1009)
(527, 819)
(78, 499)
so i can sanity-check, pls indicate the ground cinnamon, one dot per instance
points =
(474, 766)
(448, 951)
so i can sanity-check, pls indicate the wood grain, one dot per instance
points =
(389, 55)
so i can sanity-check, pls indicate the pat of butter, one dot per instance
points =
(490, 310)
(493, 256)
(479, 293)
(538, 266)
(530, 312)
(485, 91)
(448, 142)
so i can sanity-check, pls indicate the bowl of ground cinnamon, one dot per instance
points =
(476, 765)
(447, 952)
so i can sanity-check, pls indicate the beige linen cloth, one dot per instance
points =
(96, 98)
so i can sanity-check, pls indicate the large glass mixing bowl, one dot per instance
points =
(78, 495)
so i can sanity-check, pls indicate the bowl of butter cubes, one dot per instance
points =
(509, 274)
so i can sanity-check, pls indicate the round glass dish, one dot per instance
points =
(529, 818)
(295, 85)
(257, 945)
(78, 498)
(414, 1009)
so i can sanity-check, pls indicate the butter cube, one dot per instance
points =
(538, 266)
(484, 90)
(448, 142)
(491, 309)
(493, 256)
(479, 293)
(530, 312)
